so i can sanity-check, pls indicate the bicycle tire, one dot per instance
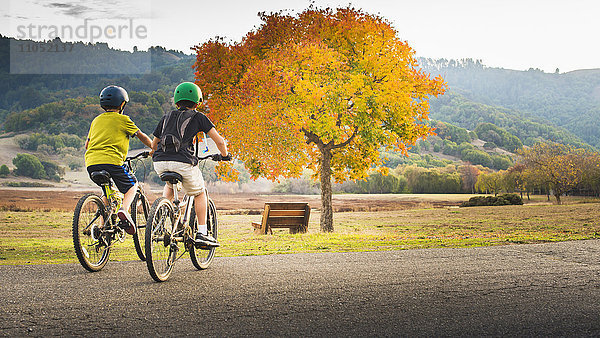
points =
(88, 216)
(139, 214)
(201, 258)
(157, 239)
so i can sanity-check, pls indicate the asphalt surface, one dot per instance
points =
(518, 290)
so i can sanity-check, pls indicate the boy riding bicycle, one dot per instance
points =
(174, 151)
(107, 146)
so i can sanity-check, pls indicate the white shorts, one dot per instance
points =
(193, 182)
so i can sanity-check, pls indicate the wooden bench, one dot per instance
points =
(283, 215)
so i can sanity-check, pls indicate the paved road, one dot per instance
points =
(540, 290)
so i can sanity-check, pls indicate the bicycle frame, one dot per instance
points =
(182, 222)
(188, 201)
(114, 200)
(113, 196)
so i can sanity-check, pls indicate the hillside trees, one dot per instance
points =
(326, 88)
(457, 109)
(500, 137)
(568, 100)
(29, 166)
(56, 142)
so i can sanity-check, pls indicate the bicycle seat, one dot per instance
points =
(100, 177)
(171, 177)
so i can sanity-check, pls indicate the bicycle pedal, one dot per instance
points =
(203, 245)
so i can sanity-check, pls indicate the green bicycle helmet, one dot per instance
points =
(188, 91)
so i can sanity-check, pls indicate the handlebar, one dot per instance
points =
(215, 157)
(143, 154)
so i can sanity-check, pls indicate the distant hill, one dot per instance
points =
(457, 109)
(25, 91)
(570, 101)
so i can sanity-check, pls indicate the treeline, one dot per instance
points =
(498, 137)
(26, 91)
(74, 116)
(545, 168)
(402, 179)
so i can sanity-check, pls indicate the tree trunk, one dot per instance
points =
(326, 207)
(558, 201)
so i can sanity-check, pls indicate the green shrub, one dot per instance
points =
(506, 199)
(4, 171)
(53, 171)
(29, 166)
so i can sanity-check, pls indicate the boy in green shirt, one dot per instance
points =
(107, 146)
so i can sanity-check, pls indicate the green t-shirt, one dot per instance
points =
(109, 139)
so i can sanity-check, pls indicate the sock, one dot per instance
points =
(203, 229)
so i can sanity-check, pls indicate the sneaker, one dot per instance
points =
(128, 224)
(206, 240)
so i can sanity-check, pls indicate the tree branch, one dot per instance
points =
(312, 138)
(345, 143)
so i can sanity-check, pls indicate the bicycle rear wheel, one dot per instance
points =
(139, 215)
(159, 252)
(202, 257)
(91, 249)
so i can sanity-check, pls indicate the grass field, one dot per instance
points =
(34, 237)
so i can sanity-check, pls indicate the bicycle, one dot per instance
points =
(96, 227)
(172, 223)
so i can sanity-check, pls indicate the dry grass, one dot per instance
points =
(31, 237)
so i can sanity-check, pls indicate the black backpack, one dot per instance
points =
(174, 125)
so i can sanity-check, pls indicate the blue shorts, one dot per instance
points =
(123, 179)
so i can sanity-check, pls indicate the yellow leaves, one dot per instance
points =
(341, 76)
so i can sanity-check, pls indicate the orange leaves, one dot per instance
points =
(325, 79)
(226, 172)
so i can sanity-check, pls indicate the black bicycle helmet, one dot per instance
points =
(111, 97)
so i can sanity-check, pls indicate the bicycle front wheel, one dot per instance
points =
(160, 254)
(139, 214)
(202, 257)
(88, 238)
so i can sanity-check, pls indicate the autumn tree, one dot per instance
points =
(558, 166)
(490, 182)
(515, 179)
(469, 174)
(324, 89)
(591, 172)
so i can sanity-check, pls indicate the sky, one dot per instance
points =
(511, 34)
